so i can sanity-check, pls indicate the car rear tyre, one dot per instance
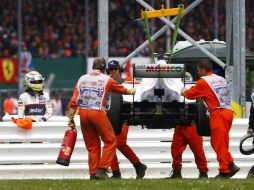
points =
(203, 121)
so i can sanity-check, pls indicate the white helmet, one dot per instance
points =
(34, 80)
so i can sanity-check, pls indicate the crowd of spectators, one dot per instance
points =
(56, 28)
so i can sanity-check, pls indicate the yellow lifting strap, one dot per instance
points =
(162, 12)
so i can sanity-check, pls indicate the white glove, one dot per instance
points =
(183, 90)
(131, 91)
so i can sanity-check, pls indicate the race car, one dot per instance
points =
(158, 103)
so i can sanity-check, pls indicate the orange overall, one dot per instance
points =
(183, 136)
(220, 121)
(124, 148)
(94, 122)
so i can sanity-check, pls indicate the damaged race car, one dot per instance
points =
(158, 103)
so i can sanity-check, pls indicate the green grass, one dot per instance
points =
(129, 184)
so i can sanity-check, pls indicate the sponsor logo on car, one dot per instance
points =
(160, 70)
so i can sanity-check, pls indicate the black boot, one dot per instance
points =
(176, 174)
(203, 175)
(101, 174)
(93, 177)
(233, 170)
(116, 175)
(140, 170)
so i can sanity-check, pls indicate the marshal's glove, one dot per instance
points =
(131, 91)
(71, 122)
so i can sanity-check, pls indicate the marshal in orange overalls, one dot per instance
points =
(183, 136)
(220, 118)
(90, 95)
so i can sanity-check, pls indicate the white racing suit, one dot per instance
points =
(36, 105)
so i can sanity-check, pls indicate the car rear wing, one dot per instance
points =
(159, 70)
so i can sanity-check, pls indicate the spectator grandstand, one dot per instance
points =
(56, 28)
